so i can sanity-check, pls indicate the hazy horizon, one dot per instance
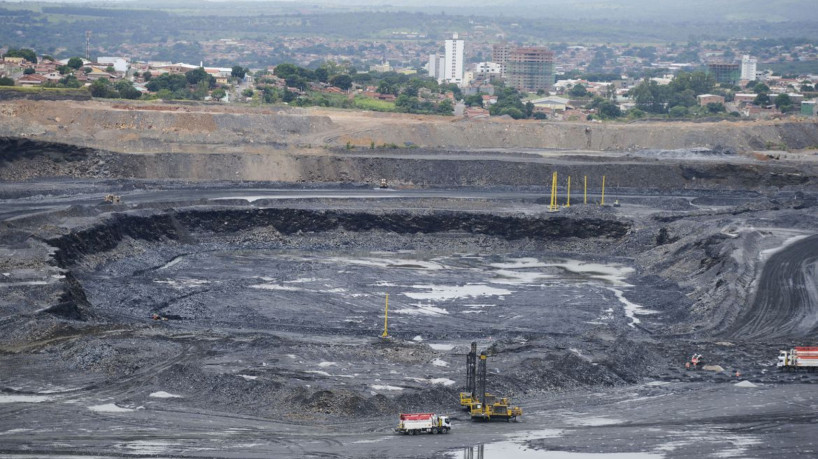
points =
(615, 10)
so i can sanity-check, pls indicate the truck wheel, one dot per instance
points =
(434, 430)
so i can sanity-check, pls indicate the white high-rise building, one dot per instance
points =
(748, 68)
(453, 62)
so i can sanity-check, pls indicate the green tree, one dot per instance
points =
(605, 108)
(285, 70)
(361, 78)
(164, 94)
(126, 90)
(28, 71)
(102, 88)
(341, 81)
(238, 72)
(385, 87)
(529, 109)
(635, 113)
(147, 75)
(201, 90)
(6, 81)
(761, 87)
(322, 74)
(75, 63)
(762, 100)
(678, 111)
(70, 81)
(650, 97)
(716, 107)
(445, 107)
(475, 100)
(696, 82)
(783, 102)
(247, 92)
(578, 91)
(168, 81)
(196, 76)
(25, 53)
(455, 89)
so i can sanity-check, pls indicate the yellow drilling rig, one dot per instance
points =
(481, 405)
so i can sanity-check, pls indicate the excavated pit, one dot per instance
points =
(256, 310)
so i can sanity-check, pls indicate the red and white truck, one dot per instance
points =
(798, 357)
(417, 423)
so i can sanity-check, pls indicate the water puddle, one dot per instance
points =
(452, 292)
(631, 309)
(507, 449)
(24, 398)
(110, 408)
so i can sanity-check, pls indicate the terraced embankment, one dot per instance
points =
(199, 128)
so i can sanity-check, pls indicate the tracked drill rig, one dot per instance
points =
(470, 396)
(481, 405)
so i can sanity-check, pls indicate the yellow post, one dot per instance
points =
(385, 318)
(553, 204)
(568, 201)
(602, 203)
(586, 190)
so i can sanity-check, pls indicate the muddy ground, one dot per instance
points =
(242, 319)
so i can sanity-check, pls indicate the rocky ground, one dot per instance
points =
(270, 304)
(211, 315)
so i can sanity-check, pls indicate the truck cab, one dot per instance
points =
(444, 423)
(784, 359)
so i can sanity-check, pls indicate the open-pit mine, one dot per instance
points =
(185, 280)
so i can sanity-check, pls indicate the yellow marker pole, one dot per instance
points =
(603, 191)
(553, 186)
(568, 202)
(385, 317)
(586, 190)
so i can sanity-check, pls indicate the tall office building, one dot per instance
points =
(499, 55)
(435, 66)
(725, 73)
(531, 69)
(748, 68)
(432, 66)
(453, 62)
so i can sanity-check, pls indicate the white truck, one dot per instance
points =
(798, 357)
(418, 423)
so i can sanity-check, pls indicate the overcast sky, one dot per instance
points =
(670, 10)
